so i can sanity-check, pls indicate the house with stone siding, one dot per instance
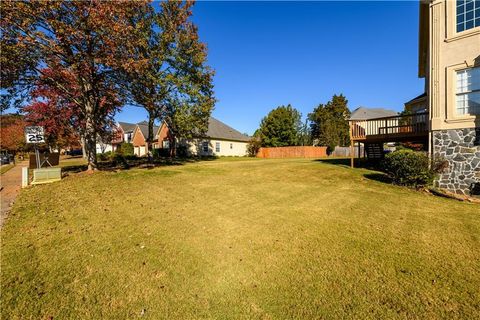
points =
(449, 60)
(446, 117)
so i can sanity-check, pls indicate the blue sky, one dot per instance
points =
(271, 53)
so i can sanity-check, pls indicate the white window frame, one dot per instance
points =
(166, 144)
(462, 90)
(217, 146)
(474, 12)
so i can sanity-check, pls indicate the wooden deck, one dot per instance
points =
(401, 128)
(390, 129)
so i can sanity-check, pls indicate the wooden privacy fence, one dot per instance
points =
(292, 152)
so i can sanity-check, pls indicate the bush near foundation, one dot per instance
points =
(411, 168)
(125, 149)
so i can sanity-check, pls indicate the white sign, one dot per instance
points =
(34, 134)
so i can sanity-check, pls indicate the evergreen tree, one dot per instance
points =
(281, 127)
(329, 123)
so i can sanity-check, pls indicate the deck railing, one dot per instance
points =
(389, 126)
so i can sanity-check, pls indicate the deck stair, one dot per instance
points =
(374, 150)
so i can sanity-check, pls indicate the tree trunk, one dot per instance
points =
(151, 120)
(82, 142)
(173, 147)
(90, 137)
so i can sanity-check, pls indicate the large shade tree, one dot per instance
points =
(174, 83)
(281, 127)
(63, 121)
(329, 123)
(86, 44)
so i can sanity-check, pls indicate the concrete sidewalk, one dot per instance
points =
(11, 183)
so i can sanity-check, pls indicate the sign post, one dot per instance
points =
(35, 135)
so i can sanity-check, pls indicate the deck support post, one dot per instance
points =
(352, 153)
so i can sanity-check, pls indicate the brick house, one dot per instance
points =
(220, 140)
(139, 139)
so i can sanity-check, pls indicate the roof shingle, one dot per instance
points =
(219, 130)
(127, 127)
(362, 113)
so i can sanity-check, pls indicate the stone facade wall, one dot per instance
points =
(461, 148)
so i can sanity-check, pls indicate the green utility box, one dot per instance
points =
(46, 175)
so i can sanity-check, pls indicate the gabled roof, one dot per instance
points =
(417, 98)
(362, 113)
(219, 130)
(127, 127)
(144, 129)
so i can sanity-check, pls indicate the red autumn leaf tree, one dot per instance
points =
(12, 136)
(61, 118)
(85, 44)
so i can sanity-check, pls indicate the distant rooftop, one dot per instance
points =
(417, 98)
(143, 126)
(127, 127)
(219, 130)
(362, 113)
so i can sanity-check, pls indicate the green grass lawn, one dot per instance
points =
(269, 239)
(72, 162)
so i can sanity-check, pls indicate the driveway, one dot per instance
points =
(11, 182)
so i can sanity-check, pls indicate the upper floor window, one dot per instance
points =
(468, 91)
(468, 14)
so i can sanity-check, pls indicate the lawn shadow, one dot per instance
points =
(344, 162)
(362, 163)
(74, 168)
(136, 163)
(378, 176)
(371, 164)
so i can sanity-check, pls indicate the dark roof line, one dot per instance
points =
(219, 130)
(417, 98)
(362, 113)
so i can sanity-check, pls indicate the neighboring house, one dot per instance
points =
(220, 140)
(417, 105)
(362, 113)
(104, 146)
(126, 131)
(140, 136)
(123, 133)
(449, 60)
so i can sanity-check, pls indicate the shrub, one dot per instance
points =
(182, 151)
(119, 159)
(131, 157)
(411, 168)
(160, 153)
(106, 156)
(125, 149)
(253, 146)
